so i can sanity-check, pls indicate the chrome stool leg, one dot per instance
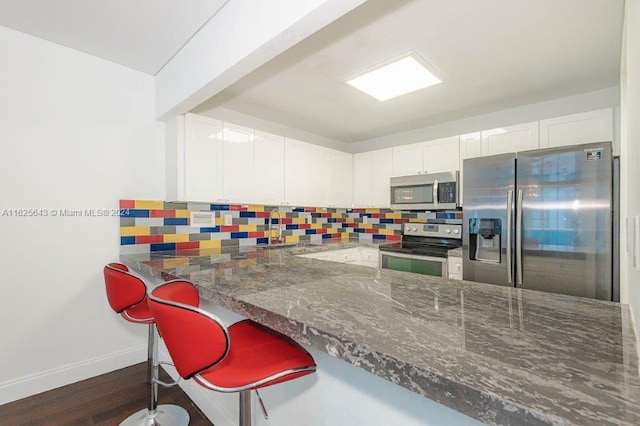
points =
(154, 414)
(245, 408)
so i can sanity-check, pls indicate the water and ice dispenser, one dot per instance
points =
(485, 239)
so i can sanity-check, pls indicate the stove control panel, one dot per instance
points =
(440, 230)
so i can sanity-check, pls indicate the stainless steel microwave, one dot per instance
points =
(433, 191)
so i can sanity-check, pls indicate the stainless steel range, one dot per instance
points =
(424, 248)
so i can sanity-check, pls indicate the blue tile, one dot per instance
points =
(293, 227)
(359, 230)
(386, 220)
(235, 235)
(379, 237)
(247, 214)
(163, 247)
(316, 215)
(262, 241)
(331, 220)
(298, 210)
(210, 229)
(134, 213)
(309, 231)
(326, 236)
(127, 241)
(175, 221)
(219, 207)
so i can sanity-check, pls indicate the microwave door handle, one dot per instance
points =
(435, 193)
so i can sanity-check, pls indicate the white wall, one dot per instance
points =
(76, 132)
(630, 153)
(604, 98)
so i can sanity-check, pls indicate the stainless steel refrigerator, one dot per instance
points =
(541, 220)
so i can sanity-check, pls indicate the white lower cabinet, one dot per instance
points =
(363, 256)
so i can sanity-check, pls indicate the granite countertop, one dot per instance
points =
(501, 355)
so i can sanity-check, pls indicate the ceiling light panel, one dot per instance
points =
(394, 79)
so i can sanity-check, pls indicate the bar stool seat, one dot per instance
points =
(243, 357)
(127, 296)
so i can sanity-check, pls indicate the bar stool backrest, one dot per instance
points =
(123, 289)
(196, 339)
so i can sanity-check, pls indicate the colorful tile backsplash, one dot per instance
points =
(147, 225)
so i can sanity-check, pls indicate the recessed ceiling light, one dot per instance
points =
(397, 78)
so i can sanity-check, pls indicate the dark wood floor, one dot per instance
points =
(102, 400)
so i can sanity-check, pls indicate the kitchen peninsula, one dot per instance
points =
(497, 354)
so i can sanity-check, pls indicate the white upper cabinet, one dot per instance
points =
(238, 167)
(203, 175)
(407, 160)
(381, 164)
(521, 137)
(441, 155)
(305, 174)
(371, 175)
(438, 155)
(575, 129)
(269, 168)
(340, 193)
(470, 147)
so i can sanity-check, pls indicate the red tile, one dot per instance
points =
(357, 211)
(325, 215)
(321, 231)
(337, 235)
(233, 228)
(370, 231)
(257, 234)
(310, 209)
(262, 215)
(394, 237)
(304, 226)
(287, 221)
(187, 246)
(237, 207)
(378, 215)
(127, 204)
(148, 239)
(162, 213)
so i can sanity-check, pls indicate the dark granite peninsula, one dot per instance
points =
(500, 355)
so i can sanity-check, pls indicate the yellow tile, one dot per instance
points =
(418, 220)
(298, 220)
(365, 225)
(135, 230)
(176, 238)
(316, 226)
(385, 231)
(146, 204)
(182, 213)
(292, 238)
(175, 263)
(210, 244)
(336, 215)
(345, 236)
(248, 228)
(372, 210)
(393, 216)
(219, 221)
(255, 208)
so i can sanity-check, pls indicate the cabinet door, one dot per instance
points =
(362, 183)
(381, 166)
(470, 147)
(340, 175)
(202, 157)
(442, 155)
(407, 160)
(575, 129)
(269, 168)
(521, 137)
(238, 164)
(305, 174)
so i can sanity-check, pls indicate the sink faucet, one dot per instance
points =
(279, 230)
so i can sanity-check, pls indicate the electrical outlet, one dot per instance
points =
(228, 220)
(365, 219)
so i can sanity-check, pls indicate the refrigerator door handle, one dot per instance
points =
(519, 238)
(509, 214)
(435, 192)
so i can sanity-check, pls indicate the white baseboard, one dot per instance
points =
(23, 387)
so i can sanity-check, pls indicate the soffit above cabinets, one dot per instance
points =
(140, 34)
(491, 55)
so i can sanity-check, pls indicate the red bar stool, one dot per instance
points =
(127, 295)
(240, 358)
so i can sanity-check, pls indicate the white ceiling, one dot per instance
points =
(140, 34)
(491, 55)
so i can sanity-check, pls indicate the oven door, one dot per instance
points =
(426, 265)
